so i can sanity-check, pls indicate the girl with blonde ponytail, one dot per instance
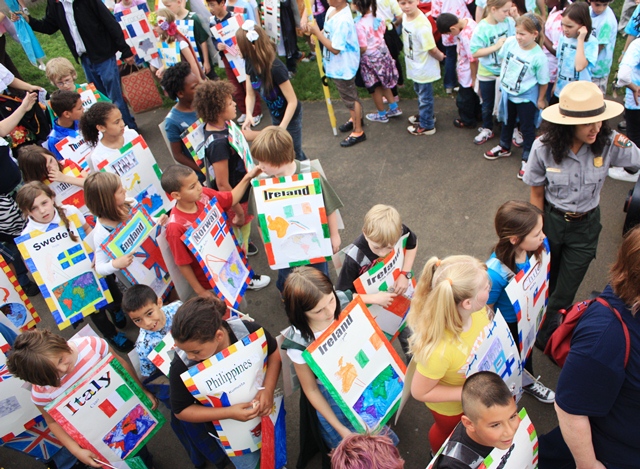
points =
(448, 312)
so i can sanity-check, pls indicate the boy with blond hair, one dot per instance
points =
(274, 154)
(381, 231)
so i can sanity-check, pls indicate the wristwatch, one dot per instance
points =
(409, 274)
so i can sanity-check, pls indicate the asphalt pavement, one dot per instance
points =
(446, 192)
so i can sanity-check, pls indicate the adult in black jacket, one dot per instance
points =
(93, 36)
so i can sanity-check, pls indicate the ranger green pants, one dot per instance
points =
(573, 246)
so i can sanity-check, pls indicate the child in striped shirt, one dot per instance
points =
(53, 365)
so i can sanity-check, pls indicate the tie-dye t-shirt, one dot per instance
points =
(605, 28)
(553, 31)
(566, 53)
(340, 29)
(486, 35)
(417, 40)
(455, 7)
(631, 59)
(463, 41)
(522, 69)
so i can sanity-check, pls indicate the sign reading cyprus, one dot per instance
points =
(381, 278)
(62, 269)
(232, 376)
(528, 292)
(140, 175)
(293, 220)
(107, 413)
(219, 254)
(359, 368)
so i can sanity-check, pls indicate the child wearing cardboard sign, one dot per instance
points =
(273, 151)
(68, 107)
(447, 314)
(312, 306)
(146, 311)
(382, 230)
(54, 365)
(200, 333)
(181, 182)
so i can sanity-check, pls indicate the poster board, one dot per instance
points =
(118, 421)
(140, 175)
(528, 292)
(186, 27)
(36, 440)
(163, 353)
(292, 220)
(63, 271)
(239, 143)
(68, 194)
(182, 286)
(271, 19)
(381, 277)
(219, 254)
(522, 454)
(89, 95)
(359, 368)
(138, 236)
(225, 32)
(15, 305)
(230, 377)
(193, 139)
(496, 350)
(75, 149)
(138, 32)
(16, 407)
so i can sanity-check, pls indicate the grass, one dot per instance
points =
(306, 82)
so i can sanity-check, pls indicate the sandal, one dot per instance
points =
(461, 125)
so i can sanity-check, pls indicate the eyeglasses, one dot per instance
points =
(66, 82)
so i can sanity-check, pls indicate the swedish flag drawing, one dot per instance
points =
(71, 256)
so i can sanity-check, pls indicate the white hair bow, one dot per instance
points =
(249, 27)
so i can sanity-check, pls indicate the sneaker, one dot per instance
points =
(616, 172)
(497, 152)
(120, 342)
(521, 172)
(258, 282)
(417, 130)
(483, 136)
(377, 117)
(256, 120)
(517, 138)
(118, 318)
(622, 125)
(252, 249)
(31, 289)
(540, 392)
(311, 57)
(448, 90)
(414, 120)
(394, 113)
(241, 119)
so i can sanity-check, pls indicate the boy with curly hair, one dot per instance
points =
(214, 104)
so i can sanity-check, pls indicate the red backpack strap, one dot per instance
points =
(625, 330)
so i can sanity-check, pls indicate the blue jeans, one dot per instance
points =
(245, 461)
(425, 104)
(450, 75)
(12, 255)
(106, 77)
(295, 130)
(488, 92)
(526, 114)
(284, 273)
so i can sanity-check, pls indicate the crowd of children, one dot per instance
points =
(514, 66)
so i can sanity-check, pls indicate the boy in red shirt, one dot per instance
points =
(181, 182)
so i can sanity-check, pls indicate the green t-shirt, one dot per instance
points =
(486, 35)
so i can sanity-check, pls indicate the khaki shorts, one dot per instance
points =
(348, 92)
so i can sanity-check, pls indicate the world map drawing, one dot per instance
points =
(130, 431)
(77, 293)
(378, 397)
(232, 273)
(301, 238)
(16, 313)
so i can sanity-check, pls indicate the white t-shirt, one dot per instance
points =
(100, 152)
(296, 355)
(417, 37)
(69, 211)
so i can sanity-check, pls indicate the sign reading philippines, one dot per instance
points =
(138, 235)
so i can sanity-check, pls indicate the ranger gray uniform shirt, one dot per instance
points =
(574, 185)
